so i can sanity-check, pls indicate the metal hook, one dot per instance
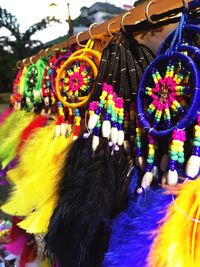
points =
(122, 20)
(185, 3)
(24, 62)
(48, 51)
(108, 28)
(32, 60)
(77, 41)
(147, 12)
(18, 64)
(90, 30)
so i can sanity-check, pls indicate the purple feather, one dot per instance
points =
(131, 235)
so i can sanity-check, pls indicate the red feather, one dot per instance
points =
(38, 122)
(29, 253)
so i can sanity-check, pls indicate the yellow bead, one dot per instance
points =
(104, 93)
(109, 102)
(151, 151)
(151, 146)
(138, 130)
(180, 149)
(197, 128)
(197, 134)
(110, 97)
(102, 97)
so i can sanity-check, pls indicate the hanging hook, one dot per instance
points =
(47, 51)
(90, 30)
(185, 3)
(108, 28)
(147, 12)
(77, 41)
(32, 60)
(24, 62)
(122, 20)
(18, 64)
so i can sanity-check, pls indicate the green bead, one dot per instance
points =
(181, 154)
(100, 105)
(149, 160)
(181, 160)
(175, 157)
(120, 121)
(196, 143)
(172, 153)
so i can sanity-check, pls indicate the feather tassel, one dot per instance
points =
(5, 115)
(37, 205)
(10, 123)
(177, 240)
(8, 148)
(80, 225)
(38, 121)
(131, 235)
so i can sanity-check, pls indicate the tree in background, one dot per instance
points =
(17, 46)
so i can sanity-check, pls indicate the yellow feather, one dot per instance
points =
(9, 145)
(30, 155)
(10, 123)
(37, 222)
(177, 241)
(26, 172)
(45, 263)
(41, 198)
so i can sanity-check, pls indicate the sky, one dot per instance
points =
(29, 12)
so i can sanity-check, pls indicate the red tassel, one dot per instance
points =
(38, 122)
(29, 254)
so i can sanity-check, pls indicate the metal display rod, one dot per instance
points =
(143, 17)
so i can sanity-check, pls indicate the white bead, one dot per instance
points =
(57, 130)
(172, 177)
(147, 180)
(92, 121)
(95, 142)
(141, 162)
(120, 139)
(164, 162)
(114, 135)
(155, 172)
(63, 128)
(164, 179)
(192, 166)
(106, 128)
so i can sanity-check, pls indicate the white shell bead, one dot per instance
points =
(192, 166)
(172, 177)
(92, 121)
(57, 130)
(120, 139)
(106, 128)
(95, 142)
(114, 135)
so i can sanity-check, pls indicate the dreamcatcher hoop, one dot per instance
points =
(187, 28)
(39, 66)
(82, 100)
(189, 118)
